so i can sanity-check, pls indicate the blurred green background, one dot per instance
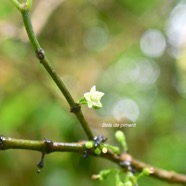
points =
(134, 51)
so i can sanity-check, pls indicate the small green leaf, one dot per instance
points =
(103, 174)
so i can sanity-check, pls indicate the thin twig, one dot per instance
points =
(169, 176)
(164, 175)
(46, 63)
(40, 15)
(40, 146)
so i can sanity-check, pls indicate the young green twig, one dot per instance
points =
(75, 108)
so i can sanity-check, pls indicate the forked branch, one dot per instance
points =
(40, 54)
(47, 146)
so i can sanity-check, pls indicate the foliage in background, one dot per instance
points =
(128, 48)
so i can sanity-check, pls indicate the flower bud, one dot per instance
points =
(119, 135)
(89, 144)
(147, 171)
(128, 183)
(97, 151)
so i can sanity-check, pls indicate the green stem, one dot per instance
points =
(29, 29)
(12, 143)
(17, 4)
(46, 63)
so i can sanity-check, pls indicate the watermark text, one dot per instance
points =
(118, 125)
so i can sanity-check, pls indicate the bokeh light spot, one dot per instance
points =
(139, 70)
(153, 43)
(126, 109)
(176, 27)
(96, 38)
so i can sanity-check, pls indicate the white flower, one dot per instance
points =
(93, 98)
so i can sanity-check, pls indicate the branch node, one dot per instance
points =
(76, 108)
(40, 54)
(48, 145)
(98, 140)
(2, 144)
(126, 164)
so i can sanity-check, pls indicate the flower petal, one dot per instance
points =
(93, 97)
(93, 89)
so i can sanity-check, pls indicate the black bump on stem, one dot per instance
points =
(127, 166)
(85, 153)
(48, 144)
(40, 54)
(40, 165)
(76, 108)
